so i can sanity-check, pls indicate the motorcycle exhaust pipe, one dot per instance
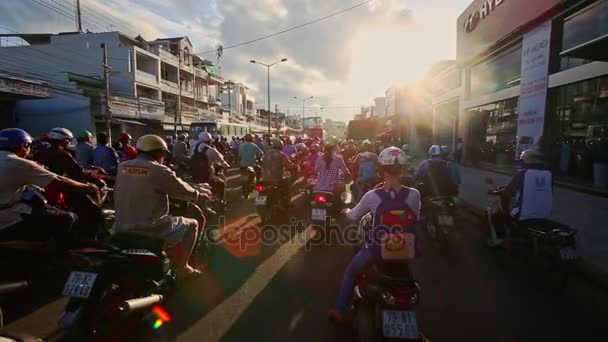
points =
(13, 286)
(132, 305)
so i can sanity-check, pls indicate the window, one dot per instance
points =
(586, 25)
(497, 74)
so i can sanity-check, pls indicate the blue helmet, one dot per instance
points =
(445, 150)
(12, 138)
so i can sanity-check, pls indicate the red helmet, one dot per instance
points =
(125, 136)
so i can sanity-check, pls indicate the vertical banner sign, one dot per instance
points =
(534, 80)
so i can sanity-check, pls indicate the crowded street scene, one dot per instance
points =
(403, 170)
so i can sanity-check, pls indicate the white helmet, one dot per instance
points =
(392, 156)
(204, 136)
(435, 151)
(59, 133)
(532, 157)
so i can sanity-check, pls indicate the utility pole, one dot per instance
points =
(276, 117)
(178, 113)
(78, 16)
(106, 80)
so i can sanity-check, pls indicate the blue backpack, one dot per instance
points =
(394, 233)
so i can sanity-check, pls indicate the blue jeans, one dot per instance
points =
(363, 258)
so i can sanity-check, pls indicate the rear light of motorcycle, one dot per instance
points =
(321, 199)
(260, 187)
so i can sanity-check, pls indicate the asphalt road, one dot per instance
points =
(281, 290)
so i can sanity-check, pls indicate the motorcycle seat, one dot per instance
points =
(543, 227)
(134, 241)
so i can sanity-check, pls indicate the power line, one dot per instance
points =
(73, 9)
(109, 15)
(289, 29)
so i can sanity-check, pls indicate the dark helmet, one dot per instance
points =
(13, 138)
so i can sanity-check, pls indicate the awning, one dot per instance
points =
(133, 122)
(595, 50)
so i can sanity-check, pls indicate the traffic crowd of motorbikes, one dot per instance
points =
(125, 223)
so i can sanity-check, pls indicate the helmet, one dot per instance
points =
(298, 140)
(287, 141)
(59, 133)
(125, 136)
(277, 144)
(182, 136)
(12, 138)
(300, 147)
(365, 146)
(532, 157)
(151, 142)
(405, 148)
(205, 136)
(315, 147)
(248, 137)
(84, 134)
(169, 138)
(445, 149)
(435, 151)
(392, 156)
(331, 140)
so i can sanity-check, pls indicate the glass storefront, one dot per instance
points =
(492, 130)
(576, 128)
(497, 74)
(586, 25)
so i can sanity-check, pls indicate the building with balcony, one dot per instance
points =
(155, 86)
(237, 101)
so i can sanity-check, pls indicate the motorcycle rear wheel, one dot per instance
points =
(364, 326)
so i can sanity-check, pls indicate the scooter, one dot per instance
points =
(548, 245)
(247, 180)
(438, 218)
(385, 300)
(270, 202)
(118, 285)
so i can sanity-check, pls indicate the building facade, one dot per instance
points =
(154, 86)
(238, 102)
(379, 107)
(532, 74)
(336, 128)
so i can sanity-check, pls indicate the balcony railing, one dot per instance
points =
(146, 78)
(169, 86)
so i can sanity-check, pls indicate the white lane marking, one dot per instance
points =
(219, 320)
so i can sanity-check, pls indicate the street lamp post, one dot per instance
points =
(268, 67)
(303, 109)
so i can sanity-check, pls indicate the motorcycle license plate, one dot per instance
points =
(400, 324)
(446, 220)
(79, 284)
(261, 200)
(318, 214)
(568, 254)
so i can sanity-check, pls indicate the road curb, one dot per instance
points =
(586, 269)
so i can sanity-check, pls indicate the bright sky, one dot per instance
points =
(344, 61)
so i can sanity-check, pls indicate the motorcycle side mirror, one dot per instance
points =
(489, 181)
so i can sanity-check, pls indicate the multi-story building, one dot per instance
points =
(154, 86)
(443, 83)
(379, 108)
(533, 74)
(238, 102)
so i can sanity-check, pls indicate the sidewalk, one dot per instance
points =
(584, 212)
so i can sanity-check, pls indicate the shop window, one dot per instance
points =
(492, 131)
(572, 62)
(586, 25)
(499, 73)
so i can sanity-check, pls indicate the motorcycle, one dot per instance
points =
(548, 245)
(438, 218)
(270, 202)
(118, 285)
(323, 206)
(247, 180)
(385, 299)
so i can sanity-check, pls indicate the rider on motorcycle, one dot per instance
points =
(273, 165)
(141, 195)
(128, 152)
(392, 204)
(204, 157)
(84, 149)
(532, 188)
(454, 167)
(32, 220)
(311, 159)
(331, 171)
(289, 149)
(180, 149)
(249, 153)
(104, 156)
(436, 176)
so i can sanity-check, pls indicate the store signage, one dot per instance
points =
(534, 79)
(487, 7)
